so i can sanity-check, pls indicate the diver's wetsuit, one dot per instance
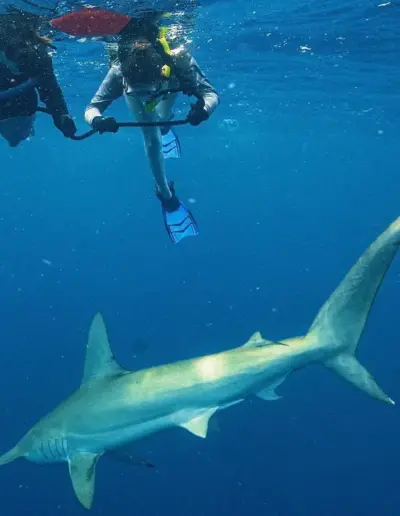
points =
(17, 112)
(186, 75)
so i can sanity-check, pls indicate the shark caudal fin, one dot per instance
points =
(10, 456)
(340, 322)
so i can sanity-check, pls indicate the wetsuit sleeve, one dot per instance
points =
(194, 82)
(110, 89)
(49, 90)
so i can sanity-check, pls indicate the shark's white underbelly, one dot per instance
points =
(63, 447)
(113, 438)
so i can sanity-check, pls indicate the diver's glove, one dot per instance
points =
(198, 113)
(105, 124)
(65, 124)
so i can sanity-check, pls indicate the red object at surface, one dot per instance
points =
(91, 22)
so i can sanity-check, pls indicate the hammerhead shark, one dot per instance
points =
(114, 406)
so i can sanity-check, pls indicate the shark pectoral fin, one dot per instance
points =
(100, 361)
(82, 468)
(199, 425)
(269, 394)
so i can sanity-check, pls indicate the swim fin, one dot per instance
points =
(178, 220)
(171, 147)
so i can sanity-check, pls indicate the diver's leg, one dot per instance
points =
(178, 220)
(17, 129)
(164, 109)
(153, 145)
(170, 142)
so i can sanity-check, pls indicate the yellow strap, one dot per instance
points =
(150, 106)
(162, 38)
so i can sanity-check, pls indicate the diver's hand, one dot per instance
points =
(65, 124)
(198, 113)
(105, 124)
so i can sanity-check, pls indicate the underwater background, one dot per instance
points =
(291, 179)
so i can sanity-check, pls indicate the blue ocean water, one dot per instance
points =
(291, 179)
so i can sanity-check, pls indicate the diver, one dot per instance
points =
(26, 70)
(149, 74)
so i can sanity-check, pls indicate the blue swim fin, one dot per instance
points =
(171, 147)
(179, 221)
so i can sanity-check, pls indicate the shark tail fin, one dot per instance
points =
(341, 320)
(10, 456)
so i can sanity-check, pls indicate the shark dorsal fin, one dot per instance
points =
(82, 469)
(257, 341)
(100, 361)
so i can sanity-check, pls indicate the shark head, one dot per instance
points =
(29, 447)
(47, 442)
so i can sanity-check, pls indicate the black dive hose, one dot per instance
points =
(121, 124)
(131, 124)
(135, 124)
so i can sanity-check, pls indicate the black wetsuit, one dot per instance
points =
(36, 64)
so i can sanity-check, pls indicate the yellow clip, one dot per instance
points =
(166, 71)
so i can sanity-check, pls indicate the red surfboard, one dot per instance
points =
(91, 22)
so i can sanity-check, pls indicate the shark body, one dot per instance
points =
(114, 406)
